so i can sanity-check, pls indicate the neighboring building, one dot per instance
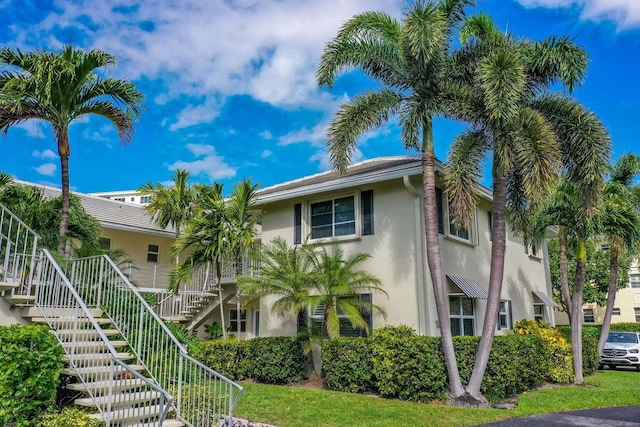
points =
(626, 308)
(126, 196)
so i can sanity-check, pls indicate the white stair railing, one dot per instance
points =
(119, 390)
(203, 397)
(18, 252)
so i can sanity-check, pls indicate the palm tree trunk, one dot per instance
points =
(498, 244)
(564, 276)
(220, 296)
(433, 259)
(576, 310)
(64, 218)
(611, 296)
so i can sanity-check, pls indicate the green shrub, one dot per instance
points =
(69, 417)
(228, 357)
(590, 355)
(590, 337)
(347, 364)
(388, 331)
(200, 404)
(276, 360)
(30, 372)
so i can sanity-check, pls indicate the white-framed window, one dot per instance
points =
(533, 250)
(588, 315)
(462, 315)
(634, 279)
(153, 252)
(316, 319)
(504, 315)
(256, 323)
(233, 320)
(133, 199)
(538, 312)
(637, 313)
(145, 199)
(615, 312)
(333, 218)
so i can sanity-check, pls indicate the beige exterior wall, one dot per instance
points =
(398, 259)
(136, 245)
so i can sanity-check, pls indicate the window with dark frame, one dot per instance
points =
(538, 312)
(316, 320)
(440, 211)
(505, 318)
(616, 311)
(297, 224)
(366, 202)
(105, 243)
(152, 253)
(233, 320)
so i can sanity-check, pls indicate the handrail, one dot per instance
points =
(163, 356)
(65, 311)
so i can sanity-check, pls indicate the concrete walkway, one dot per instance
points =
(622, 416)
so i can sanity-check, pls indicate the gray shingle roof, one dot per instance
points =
(112, 214)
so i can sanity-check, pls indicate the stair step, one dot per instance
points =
(58, 312)
(175, 318)
(100, 371)
(92, 346)
(64, 321)
(19, 299)
(165, 423)
(83, 333)
(119, 400)
(129, 415)
(6, 285)
(102, 387)
(80, 359)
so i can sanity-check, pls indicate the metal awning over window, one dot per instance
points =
(469, 287)
(546, 300)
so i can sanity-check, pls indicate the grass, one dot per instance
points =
(300, 407)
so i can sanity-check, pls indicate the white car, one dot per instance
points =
(621, 349)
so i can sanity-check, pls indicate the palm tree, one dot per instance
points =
(499, 78)
(242, 226)
(619, 222)
(61, 88)
(172, 205)
(409, 60)
(338, 284)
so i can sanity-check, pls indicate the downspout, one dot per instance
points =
(423, 324)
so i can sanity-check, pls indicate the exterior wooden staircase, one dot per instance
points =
(120, 358)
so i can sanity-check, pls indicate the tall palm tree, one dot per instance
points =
(338, 283)
(500, 78)
(170, 205)
(59, 88)
(409, 60)
(619, 223)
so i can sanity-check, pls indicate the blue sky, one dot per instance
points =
(230, 88)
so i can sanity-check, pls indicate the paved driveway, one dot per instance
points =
(623, 416)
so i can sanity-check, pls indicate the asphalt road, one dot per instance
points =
(622, 416)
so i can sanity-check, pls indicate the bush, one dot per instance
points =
(590, 337)
(276, 360)
(30, 372)
(590, 355)
(228, 357)
(347, 364)
(69, 417)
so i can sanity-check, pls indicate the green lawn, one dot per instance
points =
(299, 407)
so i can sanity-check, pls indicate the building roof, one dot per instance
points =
(367, 171)
(112, 214)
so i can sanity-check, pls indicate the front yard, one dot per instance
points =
(299, 407)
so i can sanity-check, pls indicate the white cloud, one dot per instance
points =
(207, 163)
(315, 136)
(47, 169)
(266, 153)
(46, 154)
(266, 135)
(624, 13)
(196, 114)
(33, 128)
(324, 161)
(265, 49)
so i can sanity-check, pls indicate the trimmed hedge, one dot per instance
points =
(590, 337)
(593, 331)
(31, 363)
(412, 367)
(273, 360)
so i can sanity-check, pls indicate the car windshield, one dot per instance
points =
(623, 337)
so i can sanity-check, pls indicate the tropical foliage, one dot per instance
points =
(59, 88)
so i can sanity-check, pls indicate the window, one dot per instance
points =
(532, 250)
(461, 315)
(637, 313)
(119, 199)
(588, 316)
(233, 320)
(333, 218)
(144, 199)
(297, 223)
(504, 315)
(152, 253)
(256, 323)
(316, 319)
(616, 312)
(105, 243)
(459, 232)
(538, 312)
(133, 199)
(634, 279)
(490, 218)
(366, 202)
(440, 210)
